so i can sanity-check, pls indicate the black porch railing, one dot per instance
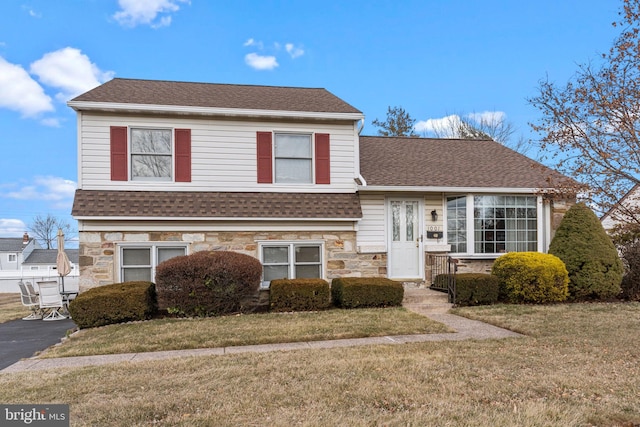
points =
(443, 274)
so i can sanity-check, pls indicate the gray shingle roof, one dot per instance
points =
(11, 244)
(49, 256)
(428, 162)
(193, 204)
(158, 92)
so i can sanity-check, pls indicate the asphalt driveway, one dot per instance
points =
(23, 338)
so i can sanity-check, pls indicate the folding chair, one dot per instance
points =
(51, 300)
(30, 300)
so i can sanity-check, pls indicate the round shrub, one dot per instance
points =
(531, 277)
(207, 283)
(115, 303)
(595, 269)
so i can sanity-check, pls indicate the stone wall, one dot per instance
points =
(98, 251)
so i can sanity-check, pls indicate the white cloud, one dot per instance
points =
(255, 43)
(69, 70)
(19, 92)
(51, 122)
(58, 192)
(12, 227)
(294, 51)
(145, 12)
(443, 127)
(488, 117)
(260, 62)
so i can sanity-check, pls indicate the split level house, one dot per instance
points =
(283, 174)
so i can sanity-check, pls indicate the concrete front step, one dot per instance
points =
(426, 300)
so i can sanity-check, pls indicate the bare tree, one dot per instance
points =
(45, 229)
(398, 123)
(590, 127)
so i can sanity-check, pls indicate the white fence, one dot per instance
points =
(9, 279)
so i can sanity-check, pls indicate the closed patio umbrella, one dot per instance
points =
(62, 261)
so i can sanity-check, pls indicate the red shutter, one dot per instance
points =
(119, 157)
(183, 155)
(323, 169)
(265, 163)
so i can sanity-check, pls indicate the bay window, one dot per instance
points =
(492, 224)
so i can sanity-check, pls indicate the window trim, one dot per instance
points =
(153, 246)
(311, 159)
(291, 244)
(10, 256)
(541, 219)
(171, 154)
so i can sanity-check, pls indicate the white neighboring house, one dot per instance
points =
(24, 259)
(621, 212)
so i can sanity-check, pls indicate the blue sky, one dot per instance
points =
(434, 58)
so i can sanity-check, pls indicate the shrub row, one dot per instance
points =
(356, 292)
(115, 303)
(476, 289)
(299, 295)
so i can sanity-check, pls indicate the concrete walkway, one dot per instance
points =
(465, 329)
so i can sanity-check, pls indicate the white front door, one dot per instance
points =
(405, 238)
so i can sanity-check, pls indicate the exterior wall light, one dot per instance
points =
(434, 215)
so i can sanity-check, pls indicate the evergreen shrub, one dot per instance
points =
(115, 303)
(207, 283)
(531, 277)
(594, 266)
(359, 292)
(299, 295)
(476, 289)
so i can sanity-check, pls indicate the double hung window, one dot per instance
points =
(151, 154)
(293, 158)
(498, 224)
(139, 262)
(299, 260)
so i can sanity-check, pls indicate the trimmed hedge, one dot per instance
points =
(476, 289)
(531, 277)
(207, 283)
(357, 292)
(299, 295)
(116, 303)
(595, 269)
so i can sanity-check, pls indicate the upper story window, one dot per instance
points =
(285, 158)
(12, 258)
(293, 158)
(492, 224)
(146, 154)
(151, 154)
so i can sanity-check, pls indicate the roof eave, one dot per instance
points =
(436, 189)
(158, 218)
(208, 111)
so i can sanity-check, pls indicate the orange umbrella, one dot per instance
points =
(62, 261)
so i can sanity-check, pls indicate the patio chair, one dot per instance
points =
(30, 288)
(51, 300)
(30, 300)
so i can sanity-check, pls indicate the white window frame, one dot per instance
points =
(291, 245)
(12, 257)
(171, 154)
(153, 247)
(470, 224)
(311, 158)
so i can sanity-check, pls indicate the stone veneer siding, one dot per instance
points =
(98, 251)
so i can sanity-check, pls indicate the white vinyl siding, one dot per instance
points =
(371, 235)
(223, 154)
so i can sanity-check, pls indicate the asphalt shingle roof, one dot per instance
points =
(274, 98)
(49, 256)
(11, 244)
(428, 162)
(193, 204)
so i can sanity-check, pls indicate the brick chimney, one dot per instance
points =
(25, 238)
